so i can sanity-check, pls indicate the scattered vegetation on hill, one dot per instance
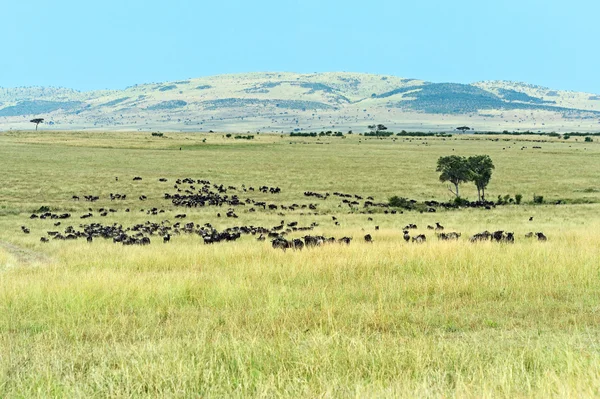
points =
(254, 102)
(171, 104)
(167, 88)
(513, 95)
(39, 107)
(114, 102)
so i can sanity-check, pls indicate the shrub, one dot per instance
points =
(459, 201)
(228, 135)
(538, 199)
(400, 202)
(588, 140)
(157, 134)
(518, 198)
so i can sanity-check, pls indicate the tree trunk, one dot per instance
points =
(483, 193)
(457, 194)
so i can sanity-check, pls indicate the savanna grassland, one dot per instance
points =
(241, 319)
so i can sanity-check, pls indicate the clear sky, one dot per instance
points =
(117, 43)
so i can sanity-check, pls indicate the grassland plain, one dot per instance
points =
(387, 319)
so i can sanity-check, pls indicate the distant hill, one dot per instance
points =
(286, 102)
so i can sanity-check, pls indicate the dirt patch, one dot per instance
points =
(24, 256)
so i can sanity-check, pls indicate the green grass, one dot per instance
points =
(387, 319)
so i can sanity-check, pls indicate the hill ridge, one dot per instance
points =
(288, 101)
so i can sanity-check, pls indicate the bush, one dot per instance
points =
(458, 201)
(538, 199)
(228, 135)
(518, 198)
(400, 202)
(157, 134)
(588, 140)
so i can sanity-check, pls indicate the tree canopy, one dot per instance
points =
(37, 121)
(454, 169)
(457, 170)
(481, 167)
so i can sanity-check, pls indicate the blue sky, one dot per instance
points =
(118, 43)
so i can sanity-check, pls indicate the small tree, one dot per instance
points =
(377, 128)
(454, 169)
(463, 128)
(37, 121)
(481, 167)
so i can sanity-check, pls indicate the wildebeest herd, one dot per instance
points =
(194, 193)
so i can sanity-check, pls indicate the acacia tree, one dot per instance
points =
(37, 121)
(377, 128)
(454, 169)
(481, 167)
(463, 128)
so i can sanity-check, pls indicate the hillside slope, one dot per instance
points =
(290, 101)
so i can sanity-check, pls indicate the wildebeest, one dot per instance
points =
(498, 236)
(345, 240)
(448, 236)
(419, 239)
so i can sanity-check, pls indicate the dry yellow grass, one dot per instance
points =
(387, 319)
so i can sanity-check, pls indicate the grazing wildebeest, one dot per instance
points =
(448, 236)
(406, 236)
(438, 226)
(541, 237)
(419, 239)
(280, 243)
(498, 235)
(345, 240)
(368, 238)
(484, 236)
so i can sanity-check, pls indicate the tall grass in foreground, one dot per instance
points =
(241, 319)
